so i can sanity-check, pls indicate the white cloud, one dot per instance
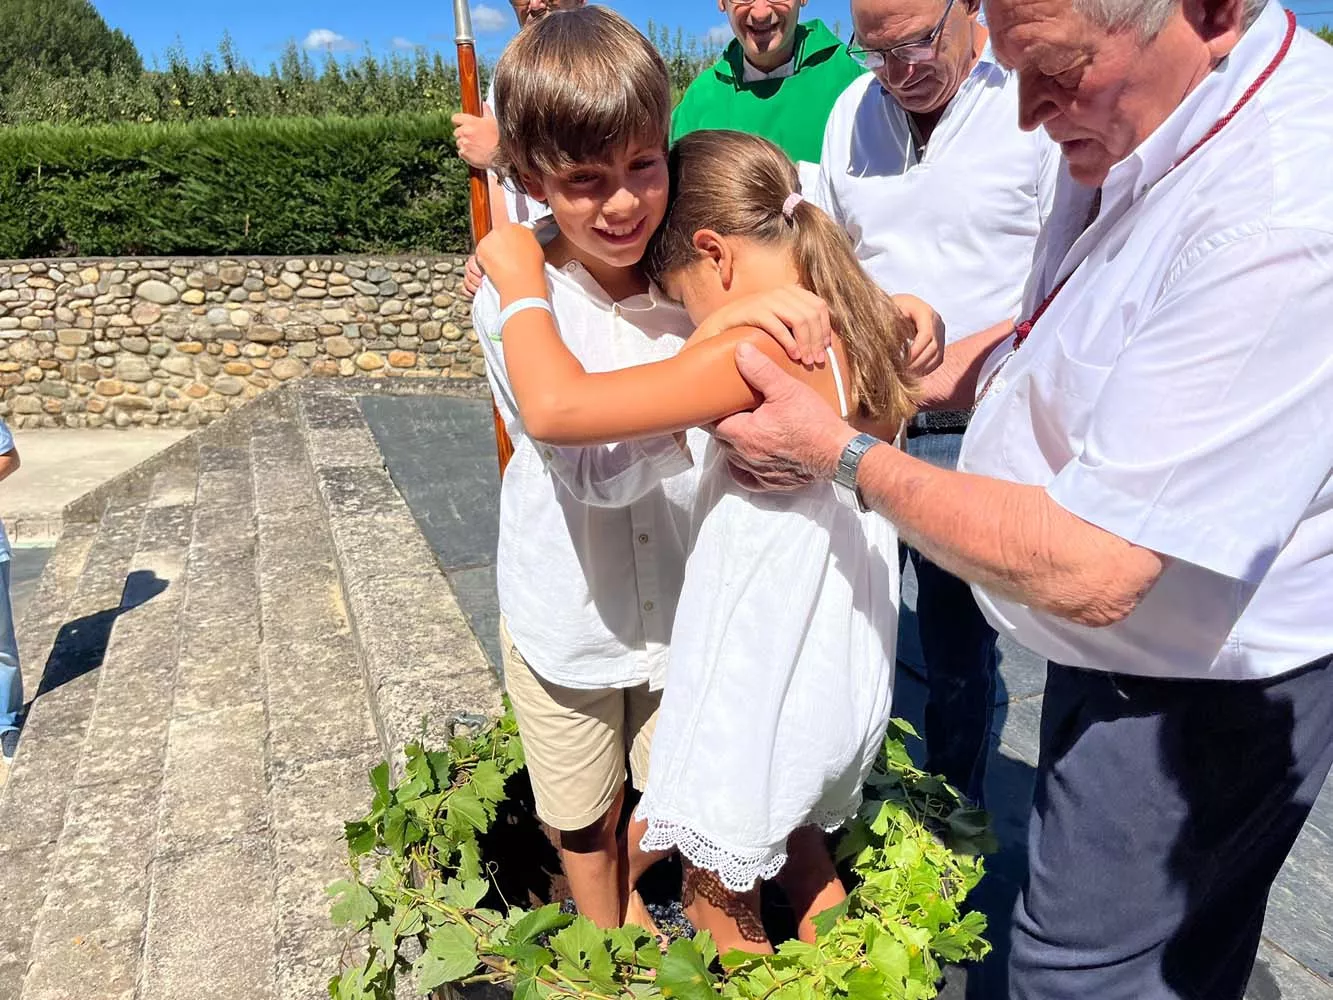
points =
(399, 42)
(719, 34)
(325, 40)
(488, 20)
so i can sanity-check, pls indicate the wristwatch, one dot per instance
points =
(844, 480)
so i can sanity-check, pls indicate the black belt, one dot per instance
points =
(938, 422)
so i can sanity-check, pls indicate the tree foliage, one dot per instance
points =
(253, 186)
(60, 39)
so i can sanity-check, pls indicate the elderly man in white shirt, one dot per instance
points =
(1146, 489)
(943, 195)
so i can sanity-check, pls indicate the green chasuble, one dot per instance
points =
(789, 111)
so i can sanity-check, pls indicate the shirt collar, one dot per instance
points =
(574, 273)
(1215, 95)
(752, 74)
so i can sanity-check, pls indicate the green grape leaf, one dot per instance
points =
(469, 860)
(583, 945)
(360, 837)
(355, 906)
(683, 974)
(464, 894)
(867, 984)
(539, 922)
(488, 782)
(451, 955)
(379, 781)
(825, 919)
(465, 810)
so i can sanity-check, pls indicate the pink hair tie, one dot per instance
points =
(789, 206)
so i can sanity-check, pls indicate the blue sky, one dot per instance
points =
(260, 28)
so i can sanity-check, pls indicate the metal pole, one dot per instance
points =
(479, 191)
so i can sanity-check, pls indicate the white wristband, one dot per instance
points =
(513, 309)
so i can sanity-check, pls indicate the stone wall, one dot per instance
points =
(116, 343)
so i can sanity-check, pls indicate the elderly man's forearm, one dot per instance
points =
(1009, 538)
(953, 385)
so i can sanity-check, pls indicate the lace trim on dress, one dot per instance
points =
(738, 870)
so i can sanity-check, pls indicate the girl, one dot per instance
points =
(779, 681)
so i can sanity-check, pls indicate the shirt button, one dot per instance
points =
(548, 454)
(643, 539)
(648, 605)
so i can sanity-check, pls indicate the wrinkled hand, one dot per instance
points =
(927, 347)
(477, 139)
(472, 277)
(797, 319)
(514, 261)
(793, 438)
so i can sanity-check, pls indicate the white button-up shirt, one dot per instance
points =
(958, 226)
(1178, 392)
(592, 540)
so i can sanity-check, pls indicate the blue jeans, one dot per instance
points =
(11, 680)
(958, 646)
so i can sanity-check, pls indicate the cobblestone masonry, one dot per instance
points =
(178, 342)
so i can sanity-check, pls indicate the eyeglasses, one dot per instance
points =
(918, 50)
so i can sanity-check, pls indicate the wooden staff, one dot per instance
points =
(479, 190)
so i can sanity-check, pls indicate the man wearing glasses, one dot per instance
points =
(924, 164)
(778, 78)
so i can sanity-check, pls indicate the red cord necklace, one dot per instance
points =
(1023, 329)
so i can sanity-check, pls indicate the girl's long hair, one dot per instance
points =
(735, 184)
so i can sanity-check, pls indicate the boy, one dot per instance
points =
(592, 540)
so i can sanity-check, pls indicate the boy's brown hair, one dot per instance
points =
(577, 87)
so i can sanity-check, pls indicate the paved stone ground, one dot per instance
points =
(221, 645)
(440, 454)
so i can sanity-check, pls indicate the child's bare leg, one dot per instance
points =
(809, 879)
(592, 861)
(638, 861)
(731, 917)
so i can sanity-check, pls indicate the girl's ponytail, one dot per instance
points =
(875, 335)
(741, 185)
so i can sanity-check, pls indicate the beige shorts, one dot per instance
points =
(576, 741)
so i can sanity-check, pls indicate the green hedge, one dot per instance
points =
(247, 186)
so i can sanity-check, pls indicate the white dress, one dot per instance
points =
(780, 677)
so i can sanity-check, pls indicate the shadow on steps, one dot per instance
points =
(80, 646)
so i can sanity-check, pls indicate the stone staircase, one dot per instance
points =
(223, 643)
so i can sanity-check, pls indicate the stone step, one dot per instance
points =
(210, 909)
(322, 740)
(114, 664)
(423, 665)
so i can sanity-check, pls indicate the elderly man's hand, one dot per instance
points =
(793, 438)
(477, 139)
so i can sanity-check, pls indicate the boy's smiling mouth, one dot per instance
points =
(621, 235)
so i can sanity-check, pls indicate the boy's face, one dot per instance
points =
(607, 211)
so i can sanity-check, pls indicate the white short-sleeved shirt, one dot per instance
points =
(518, 206)
(593, 540)
(1178, 392)
(957, 227)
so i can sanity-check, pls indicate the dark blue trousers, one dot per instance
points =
(958, 646)
(1163, 812)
